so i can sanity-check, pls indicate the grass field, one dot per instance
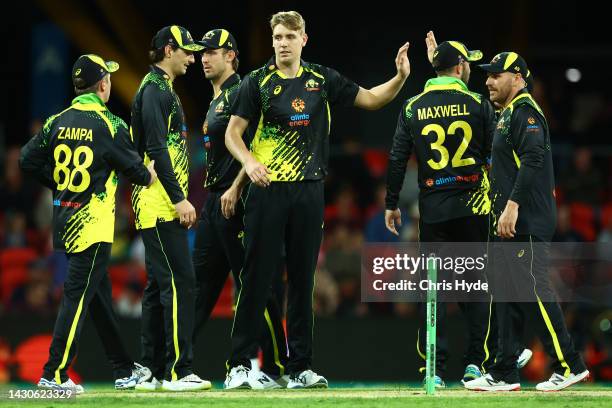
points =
(387, 396)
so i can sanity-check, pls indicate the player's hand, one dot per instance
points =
(402, 63)
(228, 202)
(393, 218)
(186, 212)
(257, 172)
(430, 41)
(151, 168)
(506, 225)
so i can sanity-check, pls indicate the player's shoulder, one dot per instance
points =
(116, 122)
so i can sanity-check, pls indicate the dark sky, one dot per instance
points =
(358, 39)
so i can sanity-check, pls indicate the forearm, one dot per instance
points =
(241, 180)
(236, 146)
(382, 94)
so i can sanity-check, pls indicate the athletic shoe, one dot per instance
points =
(524, 358)
(238, 378)
(307, 379)
(153, 384)
(139, 375)
(472, 372)
(438, 382)
(66, 385)
(255, 365)
(558, 382)
(190, 382)
(487, 383)
(262, 381)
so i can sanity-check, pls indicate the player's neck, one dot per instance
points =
(166, 68)
(218, 82)
(513, 93)
(290, 70)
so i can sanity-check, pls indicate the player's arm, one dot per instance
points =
(490, 122)
(245, 108)
(403, 141)
(121, 154)
(230, 198)
(156, 106)
(35, 157)
(377, 97)
(528, 137)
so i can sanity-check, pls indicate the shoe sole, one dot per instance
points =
(310, 387)
(576, 380)
(506, 388)
(200, 388)
(243, 386)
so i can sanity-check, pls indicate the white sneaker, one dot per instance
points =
(307, 379)
(558, 382)
(152, 385)
(255, 365)
(262, 381)
(524, 358)
(487, 383)
(139, 375)
(238, 378)
(67, 385)
(190, 382)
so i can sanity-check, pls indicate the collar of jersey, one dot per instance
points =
(273, 68)
(445, 82)
(158, 71)
(522, 94)
(230, 81)
(88, 102)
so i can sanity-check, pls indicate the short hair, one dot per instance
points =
(446, 71)
(157, 55)
(90, 89)
(290, 19)
(235, 61)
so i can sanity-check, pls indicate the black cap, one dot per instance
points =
(451, 53)
(177, 36)
(218, 38)
(89, 69)
(507, 62)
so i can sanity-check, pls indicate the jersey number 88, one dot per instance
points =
(62, 155)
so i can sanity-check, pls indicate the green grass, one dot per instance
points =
(387, 396)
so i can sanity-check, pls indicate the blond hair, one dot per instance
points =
(290, 19)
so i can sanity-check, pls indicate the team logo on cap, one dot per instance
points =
(209, 35)
(496, 58)
(77, 72)
(298, 105)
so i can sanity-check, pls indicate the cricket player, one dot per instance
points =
(290, 100)
(163, 215)
(218, 242)
(77, 154)
(522, 186)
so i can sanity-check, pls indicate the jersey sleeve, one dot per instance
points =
(528, 135)
(156, 109)
(403, 142)
(247, 100)
(341, 90)
(35, 158)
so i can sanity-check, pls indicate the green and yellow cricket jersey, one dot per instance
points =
(159, 132)
(450, 130)
(75, 155)
(293, 117)
(221, 167)
(522, 167)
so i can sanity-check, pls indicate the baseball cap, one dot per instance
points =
(175, 35)
(218, 38)
(450, 53)
(507, 62)
(89, 69)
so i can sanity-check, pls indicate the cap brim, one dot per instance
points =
(475, 55)
(192, 47)
(207, 45)
(492, 68)
(111, 66)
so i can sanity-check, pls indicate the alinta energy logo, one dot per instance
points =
(301, 119)
(298, 105)
(471, 178)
